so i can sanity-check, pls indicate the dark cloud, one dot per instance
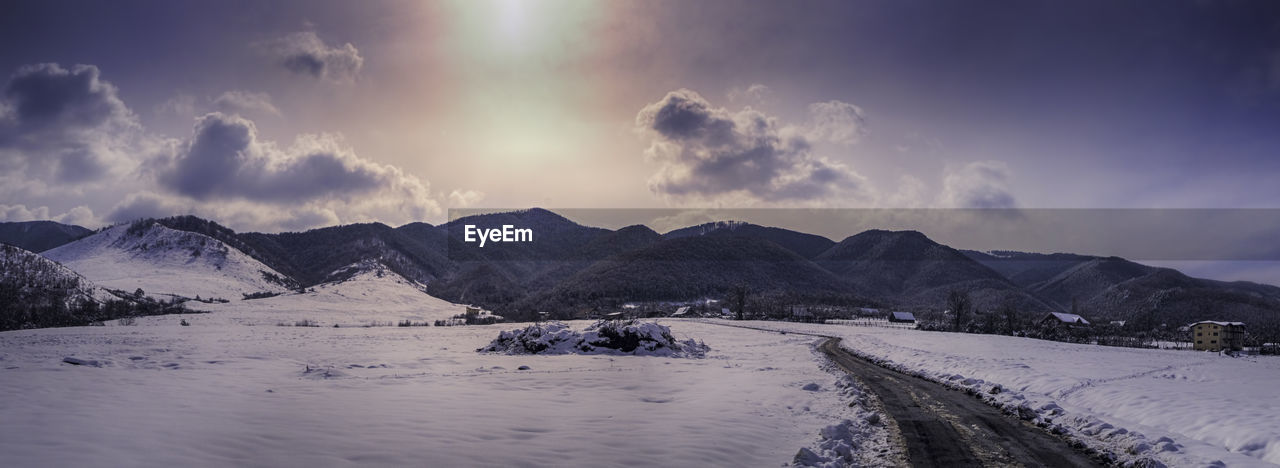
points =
(709, 153)
(305, 63)
(225, 160)
(47, 95)
(305, 54)
(60, 124)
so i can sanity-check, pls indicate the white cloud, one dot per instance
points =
(980, 184)
(180, 105)
(756, 93)
(22, 213)
(229, 102)
(239, 102)
(465, 198)
(80, 215)
(837, 122)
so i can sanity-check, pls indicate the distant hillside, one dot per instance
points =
(165, 261)
(557, 238)
(310, 257)
(1112, 288)
(911, 270)
(695, 267)
(1026, 269)
(1088, 279)
(805, 245)
(501, 274)
(38, 292)
(1173, 299)
(627, 239)
(38, 236)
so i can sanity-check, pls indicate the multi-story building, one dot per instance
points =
(1211, 335)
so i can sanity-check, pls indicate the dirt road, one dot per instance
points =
(946, 428)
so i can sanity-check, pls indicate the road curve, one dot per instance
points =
(946, 428)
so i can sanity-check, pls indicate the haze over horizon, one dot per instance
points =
(293, 115)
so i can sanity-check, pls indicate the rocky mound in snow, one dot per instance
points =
(603, 337)
(160, 260)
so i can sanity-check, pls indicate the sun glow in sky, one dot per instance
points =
(516, 108)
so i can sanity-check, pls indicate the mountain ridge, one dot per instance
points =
(583, 266)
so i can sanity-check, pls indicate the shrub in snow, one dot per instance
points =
(603, 337)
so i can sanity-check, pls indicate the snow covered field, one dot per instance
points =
(1183, 408)
(223, 393)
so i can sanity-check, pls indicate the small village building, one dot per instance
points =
(1212, 335)
(1056, 319)
(902, 317)
(681, 312)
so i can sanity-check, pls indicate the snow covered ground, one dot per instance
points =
(221, 392)
(165, 261)
(1183, 408)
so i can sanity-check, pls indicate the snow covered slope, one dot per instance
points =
(360, 294)
(29, 273)
(165, 261)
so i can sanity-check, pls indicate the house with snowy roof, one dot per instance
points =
(902, 317)
(1055, 319)
(1211, 335)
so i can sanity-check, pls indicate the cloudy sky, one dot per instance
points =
(290, 115)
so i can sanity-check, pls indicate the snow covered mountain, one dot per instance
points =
(36, 291)
(164, 261)
(363, 293)
(28, 272)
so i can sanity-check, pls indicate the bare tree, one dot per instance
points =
(740, 293)
(959, 303)
(1012, 324)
